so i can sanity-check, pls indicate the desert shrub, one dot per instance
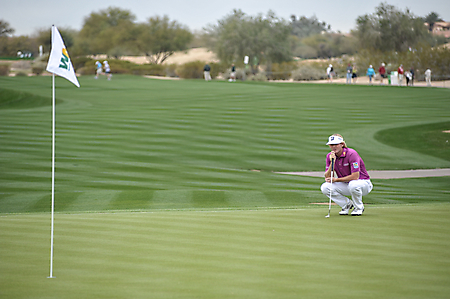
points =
(85, 70)
(227, 74)
(191, 70)
(217, 68)
(156, 70)
(241, 74)
(282, 71)
(119, 69)
(148, 69)
(4, 69)
(38, 67)
(305, 51)
(79, 62)
(171, 70)
(248, 71)
(261, 76)
(37, 70)
(308, 72)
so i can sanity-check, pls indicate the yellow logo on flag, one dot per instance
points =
(65, 60)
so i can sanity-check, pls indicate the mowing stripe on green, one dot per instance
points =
(389, 252)
(119, 143)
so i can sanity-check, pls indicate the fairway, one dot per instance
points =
(168, 189)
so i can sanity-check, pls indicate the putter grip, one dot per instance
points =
(332, 164)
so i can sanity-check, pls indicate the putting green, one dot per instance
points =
(393, 251)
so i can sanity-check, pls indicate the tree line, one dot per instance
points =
(112, 31)
(265, 38)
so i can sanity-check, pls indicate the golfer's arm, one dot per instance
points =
(327, 173)
(353, 176)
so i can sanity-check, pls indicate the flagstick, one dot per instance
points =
(58, 63)
(53, 174)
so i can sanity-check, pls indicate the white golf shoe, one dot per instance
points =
(357, 212)
(346, 208)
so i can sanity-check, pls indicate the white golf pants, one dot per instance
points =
(339, 192)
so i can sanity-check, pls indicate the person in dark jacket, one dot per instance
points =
(207, 72)
(382, 72)
(233, 73)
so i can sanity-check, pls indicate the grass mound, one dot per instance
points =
(13, 99)
(429, 139)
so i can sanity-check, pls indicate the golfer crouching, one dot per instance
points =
(352, 178)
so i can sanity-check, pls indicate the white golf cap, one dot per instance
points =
(335, 140)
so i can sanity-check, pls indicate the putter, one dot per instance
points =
(332, 173)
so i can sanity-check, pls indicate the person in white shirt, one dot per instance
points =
(428, 77)
(330, 73)
(107, 69)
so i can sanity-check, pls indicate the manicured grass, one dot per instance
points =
(430, 139)
(394, 251)
(182, 153)
(12, 99)
(135, 143)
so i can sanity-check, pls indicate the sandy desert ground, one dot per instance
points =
(200, 54)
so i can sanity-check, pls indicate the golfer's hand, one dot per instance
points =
(328, 180)
(332, 155)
